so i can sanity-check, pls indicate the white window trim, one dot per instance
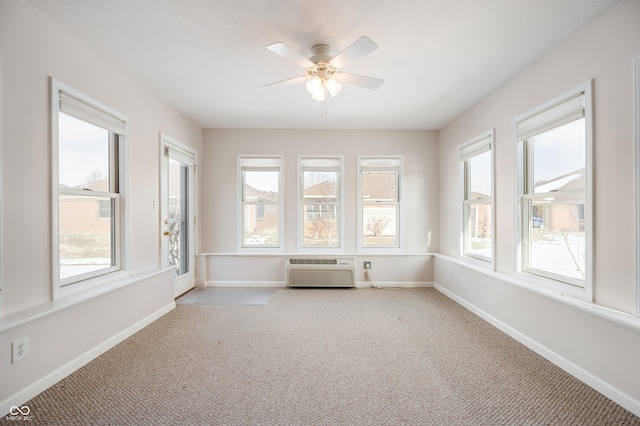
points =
(548, 280)
(636, 66)
(187, 156)
(399, 248)
(106, 276)
(477, 145)
(239, 206)
(300, 205)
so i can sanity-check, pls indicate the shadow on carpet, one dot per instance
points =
(226, 296)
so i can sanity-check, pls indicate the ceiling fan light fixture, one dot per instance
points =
(315, 87)
(333, 86)
(318, 96)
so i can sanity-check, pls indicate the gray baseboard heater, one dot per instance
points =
(313, 271)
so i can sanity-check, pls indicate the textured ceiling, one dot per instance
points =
(208, 58)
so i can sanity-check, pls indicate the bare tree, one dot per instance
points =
(377, 224)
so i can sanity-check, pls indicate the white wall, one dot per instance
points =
(33, 49)
(219, 232)
(602, 51)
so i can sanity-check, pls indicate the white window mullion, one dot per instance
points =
(260, 188)
(555, 238)
(88, 173)
(476, 193)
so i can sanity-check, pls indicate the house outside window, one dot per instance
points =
(476, 178)
(88, 140)
(379, 201)
(261, 201)
(320, 201)
(555, 149)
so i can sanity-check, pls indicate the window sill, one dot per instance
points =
(41, 310)
(622, 318)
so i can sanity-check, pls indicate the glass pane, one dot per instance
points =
(559, 158)
(379, 185)
(320, 185)
(321, 225)
(86, 234)
(83, 155)
(178, 214)
(478, 230)
(260, 225)
(261, 186)
(380, 225)
(557, 238)
(479, 176)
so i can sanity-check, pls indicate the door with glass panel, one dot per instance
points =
(178, 213)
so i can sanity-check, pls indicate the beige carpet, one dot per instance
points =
(325, 357)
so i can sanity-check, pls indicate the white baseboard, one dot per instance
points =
(55, 376)
(272, 284)
(611, 392)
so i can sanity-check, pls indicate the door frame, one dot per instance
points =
(188, 156)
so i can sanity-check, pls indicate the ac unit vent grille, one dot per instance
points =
(313, 261)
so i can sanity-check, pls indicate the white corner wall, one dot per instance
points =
(225, 266)
(65, 334)
(598, 342)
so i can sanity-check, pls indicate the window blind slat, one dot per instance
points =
(260, 163)
(101, 118)
(475, 148)
(380, 163)
(569, 110)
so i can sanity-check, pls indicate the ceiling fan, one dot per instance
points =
(323, 71)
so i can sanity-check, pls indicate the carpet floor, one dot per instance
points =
(324, 357)
(226, 296)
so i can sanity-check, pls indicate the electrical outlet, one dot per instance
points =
(367, 264)
(19, 349)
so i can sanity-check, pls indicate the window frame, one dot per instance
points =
(395, 163)
(332, 164)
(636, 70)
(117, 126)
(478, 145)
(525, 196)
(260, 162)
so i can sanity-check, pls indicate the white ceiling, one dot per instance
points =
(208, 58)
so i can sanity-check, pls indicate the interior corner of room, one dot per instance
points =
(369, 179)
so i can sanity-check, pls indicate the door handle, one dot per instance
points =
(167, 233)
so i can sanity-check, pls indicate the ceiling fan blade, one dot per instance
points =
(287, 82)
(287, 52)
(359, 80)
(355, 50)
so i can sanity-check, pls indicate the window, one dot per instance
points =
(261, 201)
(555, 201)
(88, 140)
(320, 206)
(476, 171)
(379, 196)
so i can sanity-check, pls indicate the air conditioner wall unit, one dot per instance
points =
(321, 271)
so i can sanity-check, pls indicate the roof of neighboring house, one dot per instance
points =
(324, 189)
(569, 181)
(254, 194)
